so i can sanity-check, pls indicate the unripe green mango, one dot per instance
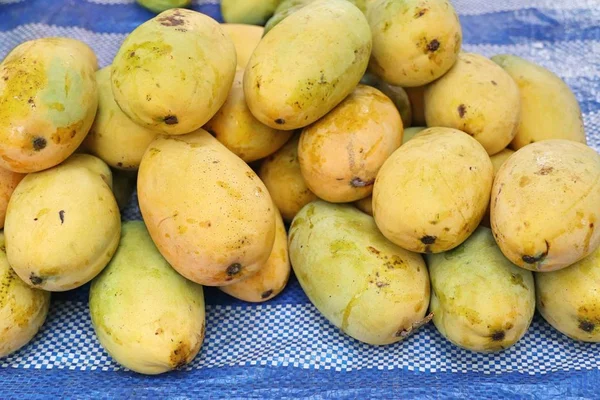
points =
(252, 12)
(371, 289)
(147, 317)
(480, 301)
(159, 6)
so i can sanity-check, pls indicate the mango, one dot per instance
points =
(174, 71)
(395, 93)
(94, 165)
(497, 160)
(431, 201)
(113, 137)
(48, 100)
(8, 182)
(62, 225)
(417, 104)
(271, 279)
(23, 309)
(252, 12)
(371, 289)
(478, 97)
(480, 301)
(307, 64)
(236, 128)
(549, 108)
(545, 204)
(147, 317)
(365, 205)
(414, 42)
(159, 6)
(245, 39)
(282, 176)
(341, 153)
(411, 132)
(568, 299)
(209, 214)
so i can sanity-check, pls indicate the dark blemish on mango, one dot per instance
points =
(432, 46)
(35, 219)
(386, 26)
(234, 269)
(494, 83)
(498, 336)
(428, 239)
(61, 215)
(587, 326)
(34, 279)
(591, 225)
(339, 179)
(420, 12)
(533, 260)
(171, 120)
(119, 164)
(280, 121)
(373, 250)
(171, 20)
(358, 183)
(382, 284)
(517, 279)
(39, 143)
(266, 294)
(132, 54)
(158, 331)
(545, 170)
(462, 110)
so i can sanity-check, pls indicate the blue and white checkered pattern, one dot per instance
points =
(285, 348)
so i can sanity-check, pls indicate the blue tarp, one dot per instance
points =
(284, 348)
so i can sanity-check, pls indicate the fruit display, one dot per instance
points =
(353, 148)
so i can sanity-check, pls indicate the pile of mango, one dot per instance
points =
(418, 182)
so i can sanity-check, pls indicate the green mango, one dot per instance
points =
(159, 6)
(395, 93)
(480, 301)
(251, 12)
(371, 289)
(149, 318)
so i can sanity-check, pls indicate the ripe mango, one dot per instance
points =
(245, 39)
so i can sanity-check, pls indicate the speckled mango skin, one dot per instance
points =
(245, 39)
(8, 182)
(149, 318)
(207, 211)
(48, 100)
(569, 300)
(62, 226)
(341, 153)
(252, 12)
(431, 201)
(545, 204)
(372, 290)
(478, 97)
(236, 128)
(159, 6)
(480, 301)
(414, 41)
(549, 109)
(282, 176)
(174, 71)
(272, 277)
(307, 64)
(23, 309)
(113, 137)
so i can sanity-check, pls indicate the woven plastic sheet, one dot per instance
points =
(284, 348)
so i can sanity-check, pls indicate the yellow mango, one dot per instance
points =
(245, 39)
(8, 182)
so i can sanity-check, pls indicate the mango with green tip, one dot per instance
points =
(62, 225)
(147, 317)
(48, 101)
(480, 300)
(371, 289)
(159, 6)
(23, 309)
(174, 71)
(307, 64)
(549, 108)
(569, 300)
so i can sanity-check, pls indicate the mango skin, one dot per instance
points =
(271, 278)
(414, 43)
(48, 100)
(341, 153)
(395, 93)
(94, 164)
(147, 317)
(245, 38)
(282, 176)
(235, 127)
(549, 109)
(381, 290)
(62, 226)
(431, 201)
(497, 160)
(216, 228)
(480, 301)
(365, 205)
(568, 298)
(159, 6)
(252, 12)
(411, 132)
(174, 71)
(307, 64)
(23, 310)
(478, 97)
(545, 204)
(8, 182)
(113, 137)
